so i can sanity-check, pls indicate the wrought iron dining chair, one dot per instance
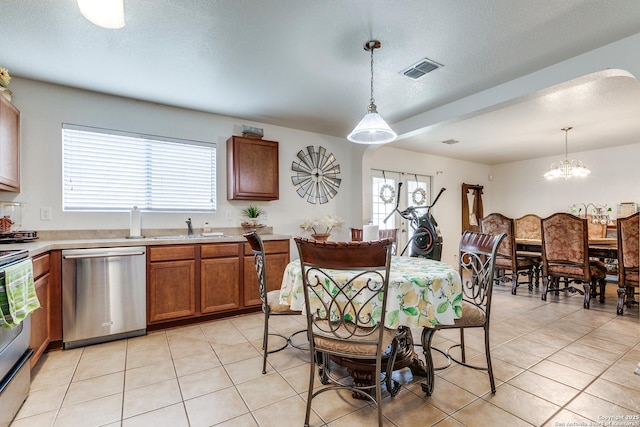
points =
(565, 255)
(508, 258)
(356, 234)
(628, 260)
(341, 312)
(270, 300)
(478, 255)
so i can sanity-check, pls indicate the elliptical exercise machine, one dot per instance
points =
(426, 241)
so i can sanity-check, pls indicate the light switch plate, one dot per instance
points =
(45, 214)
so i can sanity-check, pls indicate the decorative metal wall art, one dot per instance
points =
(316, 175)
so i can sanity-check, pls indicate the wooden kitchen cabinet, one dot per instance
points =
(9, 146)
(191, 283)
(252, 169)
(171, 283)
(40, 318)
(219, 278)
(276, 260)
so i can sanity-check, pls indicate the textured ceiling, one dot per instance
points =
(300, 63)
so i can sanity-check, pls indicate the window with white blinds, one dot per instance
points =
(107, 170)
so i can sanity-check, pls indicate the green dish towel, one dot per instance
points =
(17, 294)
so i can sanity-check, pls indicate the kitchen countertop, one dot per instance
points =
(37, 247)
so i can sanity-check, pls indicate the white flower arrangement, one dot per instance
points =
(4, 77)
(329, 222)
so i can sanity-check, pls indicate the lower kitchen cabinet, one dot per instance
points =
(171, 283)
(186, 282)
(40, 318)
(276, 260)
(219, 278)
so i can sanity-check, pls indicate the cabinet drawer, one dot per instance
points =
(270, 247)
(40, 266)
(172, 253)
(219, 250)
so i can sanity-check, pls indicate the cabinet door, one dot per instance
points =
(252, 169)
(9, 146)
(40, 325)
(276, 263)
(219, 284)
(171, 288)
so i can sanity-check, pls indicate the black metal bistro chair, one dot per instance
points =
(270, 300)
(340, 306)
(477, 264)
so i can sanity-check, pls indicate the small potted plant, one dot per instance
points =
(252, 212)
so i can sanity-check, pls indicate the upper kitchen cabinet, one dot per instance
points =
(252, 169)
(9, 146)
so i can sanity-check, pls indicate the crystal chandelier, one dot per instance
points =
(372, 129)
(567, 169)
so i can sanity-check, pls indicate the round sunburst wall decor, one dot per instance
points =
(316, 175)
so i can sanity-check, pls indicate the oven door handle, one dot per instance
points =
(103, 255)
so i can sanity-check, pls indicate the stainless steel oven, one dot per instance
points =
(15, 373)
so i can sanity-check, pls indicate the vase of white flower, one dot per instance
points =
(321, 228)
(4, 82)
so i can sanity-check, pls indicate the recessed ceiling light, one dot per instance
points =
(421, 68)
(450, 141)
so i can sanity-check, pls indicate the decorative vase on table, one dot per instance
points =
(321, 237)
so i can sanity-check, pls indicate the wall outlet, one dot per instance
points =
(45, 214)
(228, 215)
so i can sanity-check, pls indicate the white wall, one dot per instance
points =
(518, 188)
(447, 173)
(44, 107)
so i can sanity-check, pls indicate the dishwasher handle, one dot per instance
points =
(103, 255)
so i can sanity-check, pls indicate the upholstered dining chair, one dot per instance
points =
(596, 229)
(345, 284)
(565, 255)
(528, 227)
(507, 258)
(356, 234)
(478, 255)
(628, 260)
(270, 300)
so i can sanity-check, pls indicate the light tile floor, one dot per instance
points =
(555, 364)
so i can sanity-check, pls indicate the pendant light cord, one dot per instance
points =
(371, 100)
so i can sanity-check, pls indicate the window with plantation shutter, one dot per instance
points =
(107, 170)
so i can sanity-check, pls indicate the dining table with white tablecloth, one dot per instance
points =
(422, 292)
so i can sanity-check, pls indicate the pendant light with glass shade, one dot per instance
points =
(372, 129)
(103, 13)
(567, 169)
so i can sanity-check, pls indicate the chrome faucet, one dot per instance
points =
(189, 227)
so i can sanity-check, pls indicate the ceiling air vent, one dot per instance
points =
(421, 68)
(450, 141)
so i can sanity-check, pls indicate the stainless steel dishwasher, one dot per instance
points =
(103, 294)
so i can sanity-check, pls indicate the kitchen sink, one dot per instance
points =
(186, 237)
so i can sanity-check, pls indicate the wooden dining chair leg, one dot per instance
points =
(514, 282)
(622, 293)
(587, 292)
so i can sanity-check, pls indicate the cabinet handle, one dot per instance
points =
(103, 255)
